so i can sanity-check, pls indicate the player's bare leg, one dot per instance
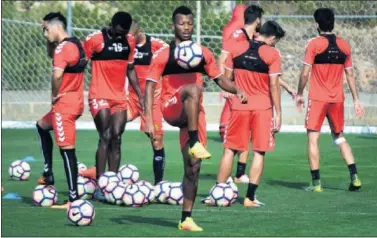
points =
(118, 123)
(313, 157)
(225, 166)
(68, 154)
(190, 188)
(255, 175)
(241, 177)
(346, 151)
(158, 158)
(43, 130)
(190, 96)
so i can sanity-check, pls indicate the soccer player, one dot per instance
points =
(67, 86)
(111, 51)
(326, 57)
(146, 46)
(256, 66)
(181, 97)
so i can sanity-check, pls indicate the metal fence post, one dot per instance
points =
(69, 17)
(198, 23)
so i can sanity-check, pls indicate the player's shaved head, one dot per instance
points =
(325, 19)
(55, 18)
(122, 20)
(181, 10)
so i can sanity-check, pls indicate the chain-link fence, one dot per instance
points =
(26, 68)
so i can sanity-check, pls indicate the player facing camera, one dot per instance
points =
(120, 24)
(324, 18)
(183, 23)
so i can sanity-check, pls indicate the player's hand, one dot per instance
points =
(292, 93)
(142, 104)
(227, 95)
(149, 128)
(277, 123)
(242, 96)
(300, 102)
(359, 109)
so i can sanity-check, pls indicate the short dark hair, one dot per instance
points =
(122, 19)
(325, 18)
(181, 10)
(272, 28)
(251, 14)
(56, 16)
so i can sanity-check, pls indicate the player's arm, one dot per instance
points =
(287, 88)
(63, 54)
(56, 79)
(276, 99)
(134, 81)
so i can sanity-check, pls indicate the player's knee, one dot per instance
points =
(106, 136)
(195, 91)
(41, 124)
(157, 143)
(117, 133)
(339, 140)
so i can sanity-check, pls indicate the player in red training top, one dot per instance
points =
(181, 97)
(111, 51)
(146, 46)
(326, 57)
(67, 101)
(256, 66)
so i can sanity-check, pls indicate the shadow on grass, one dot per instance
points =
(368, 137)
(159, 221)
(203, 176)
(297, 185)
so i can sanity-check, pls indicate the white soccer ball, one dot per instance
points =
(44, 195)
(235, 191)
(107, 178)
(85, 187)
(221, 194)
(161, 191)
(175, 194)
(128, 173)
(114, 192)
(147, 189)
(19, 170)
(81, 166)
(81, 213)
(188, 54)
(133, 196)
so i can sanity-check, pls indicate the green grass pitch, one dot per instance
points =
(289, 210)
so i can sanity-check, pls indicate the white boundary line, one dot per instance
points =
(89, 125)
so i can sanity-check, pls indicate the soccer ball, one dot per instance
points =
(128, 173)
(161, 190)
(114, 192)
(44, 195)
(188, 54)
(81, 213)
(81, 166)
(19, 170)
(85, 187)
(175, 195)
(133, 196)
(221, 194)
(107, 178)
(235, 191)
(147, 189)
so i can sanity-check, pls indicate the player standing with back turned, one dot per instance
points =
(326, 57)
(182, 93)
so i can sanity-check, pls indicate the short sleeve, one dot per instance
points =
(65, 54)
(157, 66)
(93, 43)
(310, 53)
(132, 44)
(157, 44)
(211, 66)
(231, 41)
(271, 56)
(347, 51)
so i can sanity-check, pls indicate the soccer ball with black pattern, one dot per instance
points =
(161, 191)
(147, 188)
(19, 170)
(133, 196)
(81, 166)
(85, 187)
(188, 54)
(221, 195)
(128, 173)
(175, 194)
(44, 195)
(114, 192)
(107, 178)
(235, 191)
(81, 213)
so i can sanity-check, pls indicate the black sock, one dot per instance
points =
(158, 165)
(46, 146)
(193, 137)
(70, 166)
(352, 169)
(251, 191)
(315, 174)
(185, 215)
(240, 169)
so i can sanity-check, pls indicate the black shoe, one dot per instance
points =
(46, 179)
